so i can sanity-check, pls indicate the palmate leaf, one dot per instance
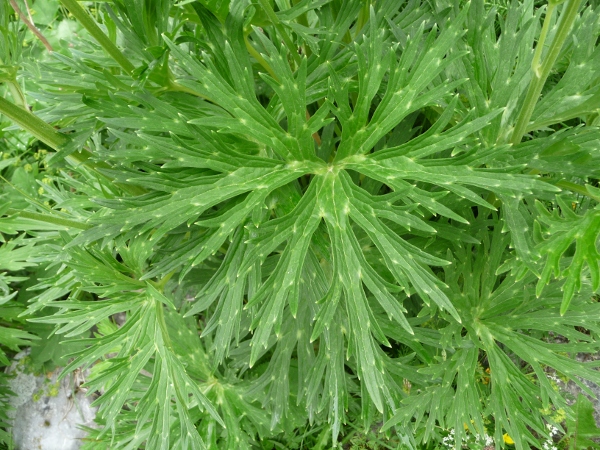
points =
(237, 174)
(328, 200)
(143, 339)
(497, 312)
(583, 428)
(498, 67)
(13, 339)
(562, 231)
(299, 208)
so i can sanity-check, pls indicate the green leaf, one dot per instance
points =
(562, 232)
(583, 429)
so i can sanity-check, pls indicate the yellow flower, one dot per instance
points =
(559, 416)
(507, 439)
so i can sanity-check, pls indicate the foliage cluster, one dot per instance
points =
(317, 216)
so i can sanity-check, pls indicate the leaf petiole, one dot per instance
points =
(88, 23)
(542, 70)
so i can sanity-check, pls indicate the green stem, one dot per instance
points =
(49, 219)
(36, 126)
(363, 17)
(30, 25)
(162, 325)
(535, 64)
(576, 188)
(174, 86)
(17, 94)
(286, 39)
(259, 59)
(541, 71)
(88, 23)
(160, 285)
(49, 136)
(41, 130)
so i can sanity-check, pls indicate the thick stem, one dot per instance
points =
(49, 219)
(17, 94)
(55, 140)
(88, 23)
(541, 71)
(535, 64)
(36, 126)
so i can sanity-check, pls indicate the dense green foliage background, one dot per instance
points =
(327, 222)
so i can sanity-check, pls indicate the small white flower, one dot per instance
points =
(554, 378)
(549, 445)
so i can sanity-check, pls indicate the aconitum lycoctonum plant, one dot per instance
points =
(313, 214)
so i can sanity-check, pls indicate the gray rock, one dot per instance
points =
(48, 412)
